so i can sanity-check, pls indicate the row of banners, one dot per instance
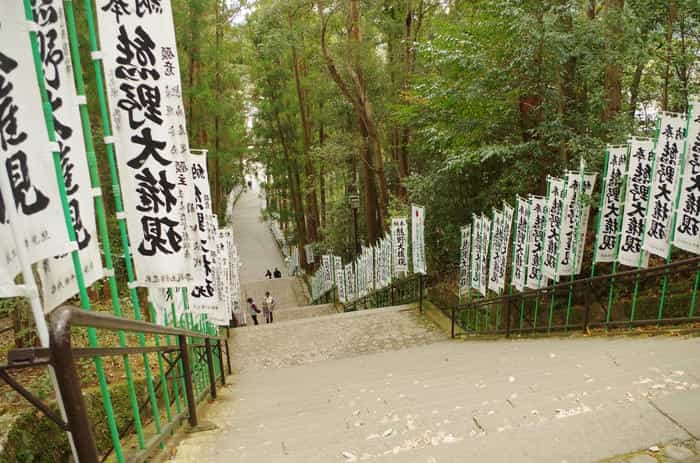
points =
(376, 265)
(178, 252)
(650, 201)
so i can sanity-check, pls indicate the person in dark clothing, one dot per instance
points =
(268, 274)
(253, 310)
(277, 273)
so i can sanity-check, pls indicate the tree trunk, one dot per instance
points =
(612, 81)
(634, 87)
(669, 49)
(322, 176)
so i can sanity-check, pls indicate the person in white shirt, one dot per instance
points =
(268, 307)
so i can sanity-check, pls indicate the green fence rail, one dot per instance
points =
(402, 291)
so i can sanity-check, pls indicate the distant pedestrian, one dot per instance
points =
(268, 307)
(277, 273)
(253, 310)
(268, 274)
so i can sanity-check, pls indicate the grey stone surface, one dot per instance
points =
(643, 459)
(677, 453)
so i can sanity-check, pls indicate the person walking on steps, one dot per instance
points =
(268, 307)
(253, 310)
(277, 273)
(268, 274)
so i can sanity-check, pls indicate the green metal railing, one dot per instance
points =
(399, 292)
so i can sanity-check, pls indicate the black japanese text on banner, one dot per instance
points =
(141, 67)
(574, 222)
(339, 278)
(417, 238)
(519, 264)
(555, 209)
(687, 230)
(536, 225)
(464, 251)
(25, 155)
(476, 252)
(350, 282)
(636, 198)
(484, 264)
(611, 206)
(664, 183)
(399, 237)
(57, 274)
(495, 251)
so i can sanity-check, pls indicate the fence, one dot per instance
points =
(403, 291)
(194, 362)
(624, 299)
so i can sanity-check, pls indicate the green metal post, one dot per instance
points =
(539, 277)
(644, 225)
(100, 210)
(118, 202)
(84, 299)
(556, 263)
(577, 227)
(664, 285)
(527, 261)
(161, 371)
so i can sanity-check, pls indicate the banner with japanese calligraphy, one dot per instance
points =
(144, 93)
(687, 232)
(340, 278)
(575, 218)
(399, 238)
(519, 264)
(476, 252)
(386, 262)
(309, 251)
(635, 204)
(664, 183)
(495, 249)
(224, 243)
(57, 274)
(464, 251)
(535, 253)
(326, 266)
(238, 313)
(168, 305)
(30, 191)
(484, 263)
(611, 210)
(204, 296)
(369, 270)
(500, 267)
(417, 238)
(350, 282)
(554, 212)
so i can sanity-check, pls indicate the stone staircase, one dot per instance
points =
(386, 385)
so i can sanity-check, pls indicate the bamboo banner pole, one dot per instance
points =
(577, 229)
(599, 216)
(100, 210)
(527, 261)
(119, 208)
(539, 276)
(664, 285)
(618, 235)
(84, 299)
(644, 223)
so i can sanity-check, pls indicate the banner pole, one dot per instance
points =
(644, 223)
(84, 300)
(577, 227)
(664, 285)
(539, 276)
(100, 210)
(618, 234)
(556, 262)
(527, 261)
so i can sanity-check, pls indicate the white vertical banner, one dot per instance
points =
(369, 270)
(464, 251)
(554, 212)
(26, 156)
(536, 227)
(484, 264)
(476, 252)
(309, 251)
(139, 56)
(612, 204)
(417, 238)
(495, 250)
(687, 231)
(664, 183)
(387, 262)
(224, 243)
(399, 238)
(635, 206)
(340, 278)
(238, 313)
(203, 295)
(326, 272)
(576, 212)
(519, 264)
(350, 282)
(57, 273)
(165, 302)
(501, 263)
